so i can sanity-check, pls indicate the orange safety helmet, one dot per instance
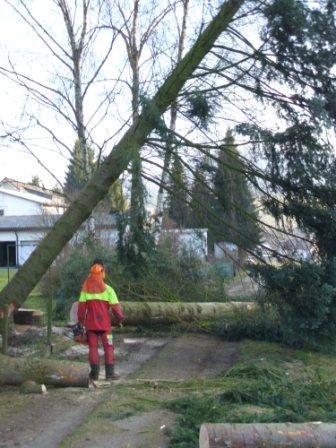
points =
(97, 269)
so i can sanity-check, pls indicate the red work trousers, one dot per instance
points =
(107, 341)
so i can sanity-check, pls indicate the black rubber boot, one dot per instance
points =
(94, 373)
(110, 373)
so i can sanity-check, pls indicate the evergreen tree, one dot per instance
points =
(135, 241)
(202, 199)
(201, 211)
(178, 196)
(299, 162)
(80, 169)
(234, 201)
(36, 181)
(117, 199)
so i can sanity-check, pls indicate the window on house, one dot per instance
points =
(2, 211)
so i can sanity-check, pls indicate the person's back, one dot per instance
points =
(95, 302)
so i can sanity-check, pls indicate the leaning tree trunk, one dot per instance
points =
(31, 272)
(14, 371)
(271, 435)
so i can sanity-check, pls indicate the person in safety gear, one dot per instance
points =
(95, 302)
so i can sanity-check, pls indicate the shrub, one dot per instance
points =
(303, 301)
(72, 274)
(173, 277)
(168, 277)
(261, 323)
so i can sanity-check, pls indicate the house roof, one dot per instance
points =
(45, 222)
(29, 222)
(31, 192)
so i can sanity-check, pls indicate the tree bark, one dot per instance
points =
(137, 313)
(272, 435)
(46, 371)
(31, 272)
(173, 116)
(77, 48)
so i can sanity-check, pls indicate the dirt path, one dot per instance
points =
(124, 415)
(190, 356)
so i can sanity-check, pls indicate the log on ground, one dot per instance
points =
(271, 435)
(14, 371)
(171, 312)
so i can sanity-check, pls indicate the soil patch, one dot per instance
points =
(188, 356)
(120, 416)
(45, 420)
(148, 429)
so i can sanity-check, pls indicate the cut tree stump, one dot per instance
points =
(25, 316)
(270, 435)
(14, 371)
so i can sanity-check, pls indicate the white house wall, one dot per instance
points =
(15, 206)
(108, 237)
(195, 240)
(27, 241)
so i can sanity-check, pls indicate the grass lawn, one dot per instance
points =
(35, 300)
(4, 274)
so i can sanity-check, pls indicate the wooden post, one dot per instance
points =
(270, 435)
(5, 329)
(49, 323)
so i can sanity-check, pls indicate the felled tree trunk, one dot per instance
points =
(272, 435)
(170, 312)
(50, 372)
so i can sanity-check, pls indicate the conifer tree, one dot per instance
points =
(177, 198)
(118, 201)
(80, 169)
(234, 201)
(36, 181)
(202, 198)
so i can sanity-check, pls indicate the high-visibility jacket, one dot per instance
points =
(94, 309)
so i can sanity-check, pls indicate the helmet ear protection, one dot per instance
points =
(97, 269)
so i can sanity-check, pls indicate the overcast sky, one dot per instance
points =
(31, 57)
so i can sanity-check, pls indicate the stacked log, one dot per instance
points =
(271, 435)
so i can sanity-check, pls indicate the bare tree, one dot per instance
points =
(173, 113)
(31, 272)
(72, 52)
